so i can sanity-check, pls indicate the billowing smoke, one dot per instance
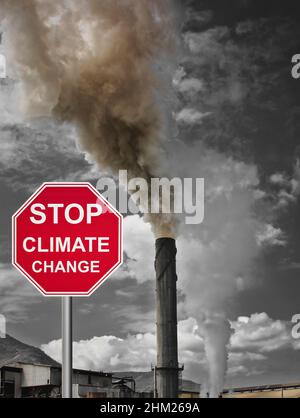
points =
(94, 64)
(215, 330)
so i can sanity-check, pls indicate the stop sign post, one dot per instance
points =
(67, 240)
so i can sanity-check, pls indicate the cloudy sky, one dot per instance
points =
(235, 123)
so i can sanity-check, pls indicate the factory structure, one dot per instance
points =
(32, 380)
(287, 390)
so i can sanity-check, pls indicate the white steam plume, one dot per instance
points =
(215, 330)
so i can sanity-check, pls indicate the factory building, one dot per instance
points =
(33, 380)
(290, 390)
(10, 382)
(27, 380)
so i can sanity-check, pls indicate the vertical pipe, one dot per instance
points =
(154, 383)
(67, 357)
(166, 319)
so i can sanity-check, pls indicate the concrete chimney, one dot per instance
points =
(166, 371)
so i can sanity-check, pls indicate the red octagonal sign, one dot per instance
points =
(67, 239)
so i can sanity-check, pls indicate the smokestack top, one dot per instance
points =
(161, 239)
(165, 256)
(167, 246)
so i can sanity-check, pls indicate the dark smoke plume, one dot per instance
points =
(93, 64)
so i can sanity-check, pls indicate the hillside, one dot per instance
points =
(144, 381)
(13, 350)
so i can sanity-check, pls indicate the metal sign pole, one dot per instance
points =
(67, 352)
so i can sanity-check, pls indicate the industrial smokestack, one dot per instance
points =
(166, 371)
